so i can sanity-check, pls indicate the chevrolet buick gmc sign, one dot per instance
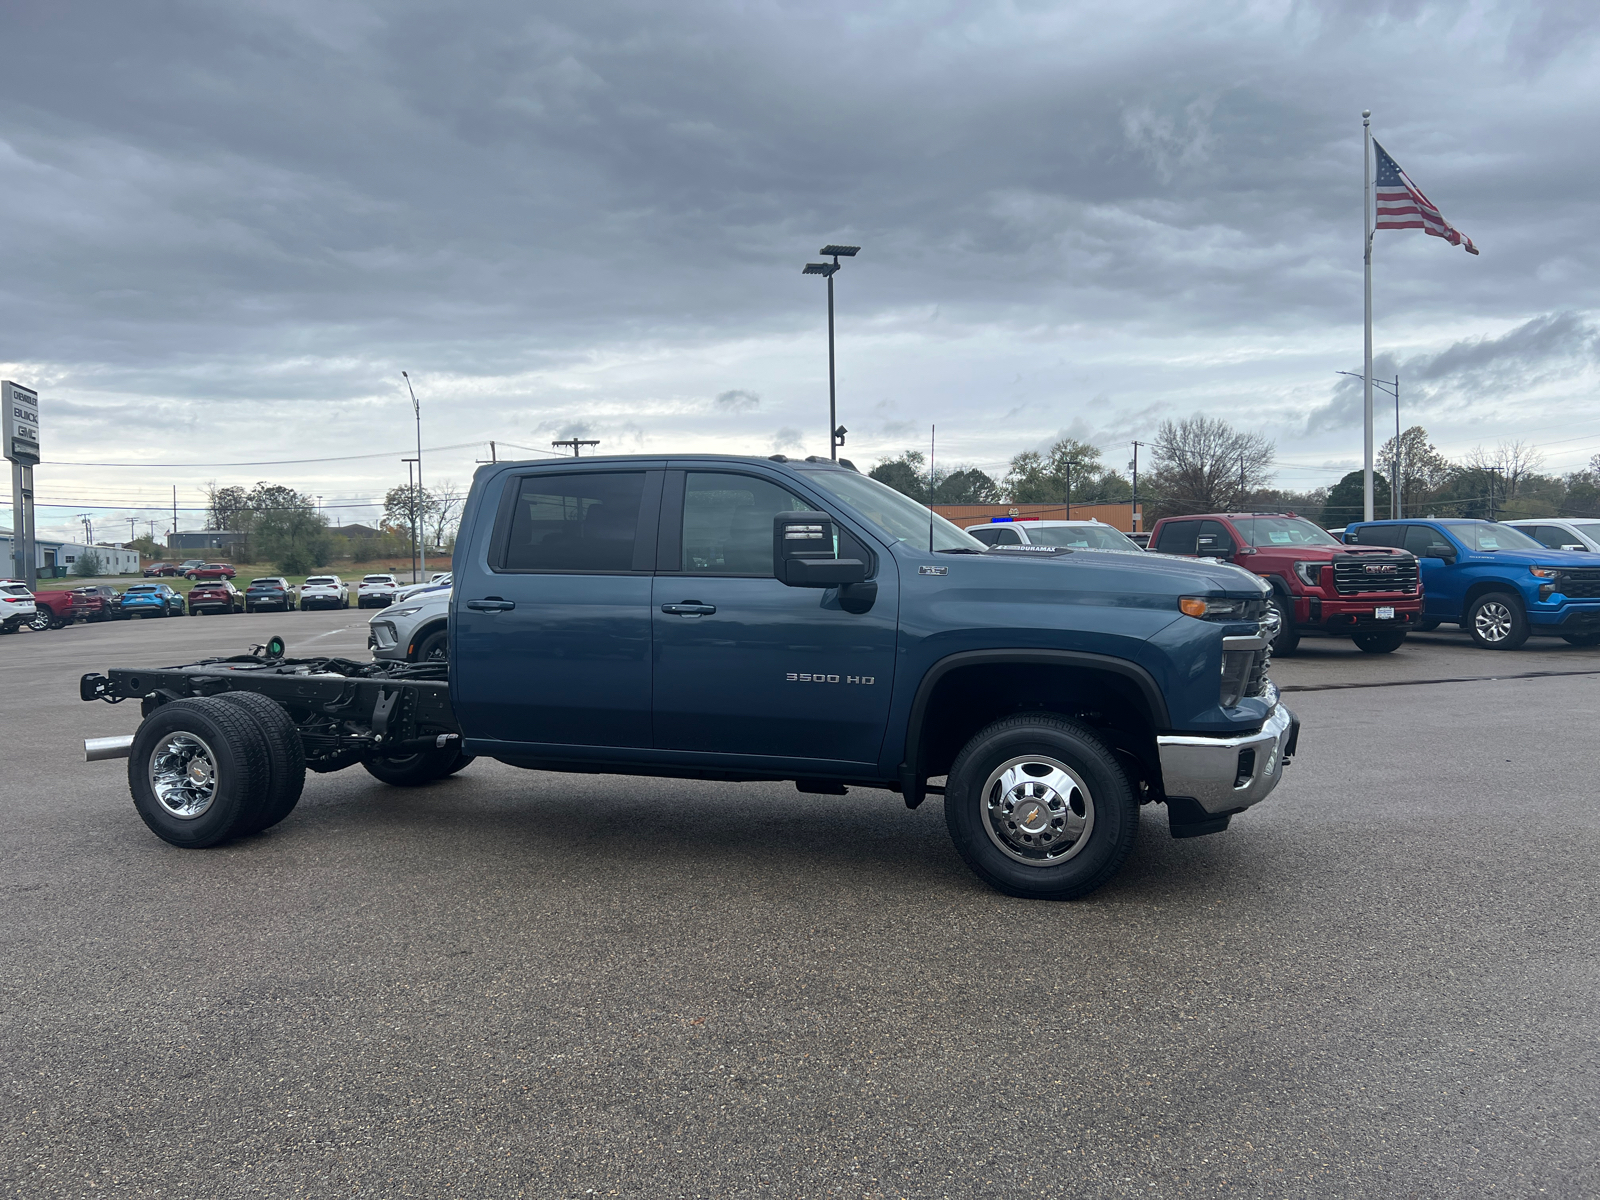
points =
(21, 427)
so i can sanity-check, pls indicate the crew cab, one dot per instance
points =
(1494, 581)
(376, 591)
(98, 602)
(211, 571)
(1371, 595)
(59, 607)
(750, 619)
(270, 591)
(215, 596)
(324, 591)
(152, 600)
(16, 605)
(1561, 533)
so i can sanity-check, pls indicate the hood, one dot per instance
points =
(1329, 553)
(1536, 558)
(1137, 571)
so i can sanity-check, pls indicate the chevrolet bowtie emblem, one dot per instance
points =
(1031, 815)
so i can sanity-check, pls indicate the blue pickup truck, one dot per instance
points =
(764, 619)
(1495, 581)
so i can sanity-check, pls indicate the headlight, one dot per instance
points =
(403, 612)
(1544, 572)
(1216, 608)
(1310, 573)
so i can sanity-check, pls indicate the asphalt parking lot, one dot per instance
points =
(1381, 982)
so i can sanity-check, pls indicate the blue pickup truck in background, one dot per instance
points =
(1495, 581)
(765, 619)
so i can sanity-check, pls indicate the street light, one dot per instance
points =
(828, 270)
(415, 543)
(416, 501)
(1394, 390)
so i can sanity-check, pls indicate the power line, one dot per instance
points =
(280, 462)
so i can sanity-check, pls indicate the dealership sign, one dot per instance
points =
(21, 427)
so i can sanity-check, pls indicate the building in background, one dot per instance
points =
(1119, 516)
(57, 560)
(233, 543)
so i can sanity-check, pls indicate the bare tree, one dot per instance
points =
(446, 512)
(1203, 464)
(1423, 470)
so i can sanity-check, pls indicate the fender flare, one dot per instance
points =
(912, 782)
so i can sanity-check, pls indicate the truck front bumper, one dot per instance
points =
(1356, 614)
(1227, 774)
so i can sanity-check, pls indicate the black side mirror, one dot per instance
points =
(803, 552)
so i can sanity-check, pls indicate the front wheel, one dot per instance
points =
(415, 770)
(1288, 639)
(1039, 807)
(1378, 643)
(1496, 621)
(1581, 639)
(435, 647)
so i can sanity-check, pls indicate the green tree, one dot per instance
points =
(228, 507)
(1069, 465)
(906, 474)
(1346, 503)
(966, 486)
(89, 565)
(1423, 470)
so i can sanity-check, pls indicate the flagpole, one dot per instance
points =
(1366, 370)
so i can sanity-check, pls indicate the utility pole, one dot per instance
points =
(574, 443)
(492, 456)
(1242, 495)
(174, 512)
(1136, 521)
(411, 490)
(1493, 471)
(1069, 488)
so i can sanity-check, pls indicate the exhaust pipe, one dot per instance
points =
(100, 749)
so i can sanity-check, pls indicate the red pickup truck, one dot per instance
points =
(58, 609)
(1371, 594)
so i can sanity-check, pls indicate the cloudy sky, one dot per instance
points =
(228, 228)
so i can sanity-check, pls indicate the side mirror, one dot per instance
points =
(1574, 546)
(803, 552)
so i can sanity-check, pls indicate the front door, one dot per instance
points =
(745, 664)
(551, 643)
(1435, 554)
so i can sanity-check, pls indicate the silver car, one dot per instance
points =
(412, 630)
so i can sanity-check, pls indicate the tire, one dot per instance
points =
(1425, 625)
(462, 761)
(1288, 639)
(1378, 643)
(1581, 639)
(1496, 621)
(435, 647)
(286, 759)
(1083, 790)
(222, 797)
(415, 770)
(41, 621)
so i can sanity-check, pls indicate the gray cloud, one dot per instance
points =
(238, 223)
(788, 438)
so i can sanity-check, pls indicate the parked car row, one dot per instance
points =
(1499, 581)
(192, 568)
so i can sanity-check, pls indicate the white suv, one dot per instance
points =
(1078, 535)
(376, 591)
(413, 630)
(1564, 533)
(324, 591)
(16, 605)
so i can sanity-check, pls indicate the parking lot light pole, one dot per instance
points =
(416, 497)
(411, 490)
(1395, 507)
(829, 270)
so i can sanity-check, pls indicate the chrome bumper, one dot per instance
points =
(1217, 773)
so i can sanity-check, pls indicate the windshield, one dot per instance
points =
(1283, 531)
(266, 583)
(894, 514)
(1081, 537)
(142, 587)
(16, 589)
(1489, 535)
(318, 579)
(378, 579)
(1592, 532)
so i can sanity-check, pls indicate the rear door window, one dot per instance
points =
(1178, 537)
(583, 521)
(1381, 535)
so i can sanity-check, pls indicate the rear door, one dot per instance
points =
(550, 629)
(746, 665)
(1178, 537)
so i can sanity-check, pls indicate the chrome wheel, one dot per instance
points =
(1037, 810)
(183, 775)
(40, 621)
(1493, 621)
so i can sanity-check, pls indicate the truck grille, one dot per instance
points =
(1357, 574)
(1580, 583)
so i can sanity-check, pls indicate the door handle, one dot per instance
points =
(689, 608)
(492, 604)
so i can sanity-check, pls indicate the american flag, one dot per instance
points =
(1401, 205)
